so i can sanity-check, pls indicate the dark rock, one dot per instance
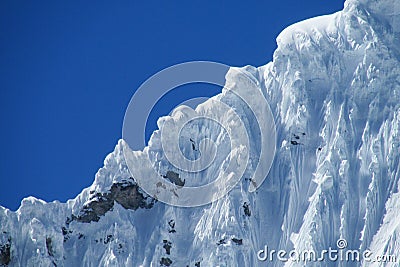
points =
(193, 144)
(197, 264)
(167, 246)
(171, 224)
(70, 219)
(237, 241)
(96, 208)
(64, 230)
(108, 239)
(127, 194)
(49, 246)
(165, 261)
(246, 209)
(66, 233)
(221, 241)
(5, 253)
(173, 177)
(295, 143)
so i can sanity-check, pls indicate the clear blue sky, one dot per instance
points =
(69, 68)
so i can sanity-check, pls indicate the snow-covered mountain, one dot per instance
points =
(334, 90)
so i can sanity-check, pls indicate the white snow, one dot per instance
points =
(334, 88)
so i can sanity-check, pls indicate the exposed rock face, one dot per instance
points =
(165, 261)
(171, 224)
(246, 209)
(237, 241)
(130, 196)
(167, 246)
(173, 177)
(5, 253)
(125, 193)
(96, 208)
(49, 246)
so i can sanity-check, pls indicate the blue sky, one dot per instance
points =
(69, 68)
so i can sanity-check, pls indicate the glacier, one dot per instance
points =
(334, 90)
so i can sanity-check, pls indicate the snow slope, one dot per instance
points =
(334, 89)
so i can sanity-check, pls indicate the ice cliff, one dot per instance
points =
(334, 90)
